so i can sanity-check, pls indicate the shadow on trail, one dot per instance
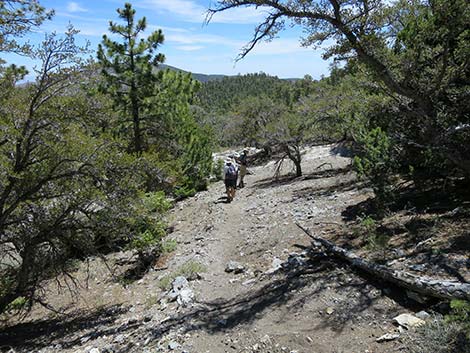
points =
(224, 314)
(328, 190)
(293, 290)
(290, 289)
(42, 333)
(222, 199)
(288, 179)
(438, 199)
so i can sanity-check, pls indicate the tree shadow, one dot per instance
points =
(342, 149)
(139, 265)
(436, 199)
(370, 291)
(292, 288)
(221, 314)
(38, 334)
(324, 191)
(289, 178)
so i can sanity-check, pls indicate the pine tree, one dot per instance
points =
(18, 17)
(129, 69)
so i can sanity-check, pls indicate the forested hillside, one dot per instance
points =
(197, 76)
(107, 160)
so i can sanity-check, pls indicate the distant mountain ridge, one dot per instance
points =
(209, 77)
(197, 76)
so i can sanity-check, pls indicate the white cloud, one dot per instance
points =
(190, 47)
(72, 6)
(190, 11)
(187, 9)
(193, 39)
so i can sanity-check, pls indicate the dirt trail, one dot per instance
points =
(286, 299)
(316, 307)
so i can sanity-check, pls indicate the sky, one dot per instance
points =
(190, 44)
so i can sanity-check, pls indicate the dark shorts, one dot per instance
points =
(231, 183)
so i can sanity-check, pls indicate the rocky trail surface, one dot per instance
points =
(243, 278)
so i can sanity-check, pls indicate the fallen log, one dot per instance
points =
(442, 289)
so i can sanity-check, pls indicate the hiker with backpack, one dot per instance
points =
(230, 178)
(242, 160)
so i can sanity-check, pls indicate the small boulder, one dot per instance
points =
(408, 321)
(181, 291)
(423, 315)
(185, 297)
(275, 266)
(234, 267)
(173, 345)
(180, 283)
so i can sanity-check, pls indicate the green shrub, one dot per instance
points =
(148, 227)
(438, 336)
(460, 313)
(169, 245)
(156, 202)
(376, 163)
(184, 192)
(368, 224)
(218, 169)
(367, 229)
(148, 238)
(18, 304)
(377, 242)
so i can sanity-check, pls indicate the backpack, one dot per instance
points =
(231, 172)
(243, 159)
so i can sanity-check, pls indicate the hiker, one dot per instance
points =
(243, 163)
(230, 178)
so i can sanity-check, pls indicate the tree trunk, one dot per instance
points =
(295, 156)
(137, 134)
(298, 168)
(442, 289)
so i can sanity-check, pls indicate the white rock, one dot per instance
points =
(185, 297)
(119, 339)
(423, 315)
(173, 345)
(388, 337)
(408, 321)
(180, 282)
(234, 267)
(275, 266)
(249, 282)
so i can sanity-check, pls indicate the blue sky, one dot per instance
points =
(189, 44)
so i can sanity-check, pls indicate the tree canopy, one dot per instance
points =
(415, 52)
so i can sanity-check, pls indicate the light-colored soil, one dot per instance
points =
(311, 304)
